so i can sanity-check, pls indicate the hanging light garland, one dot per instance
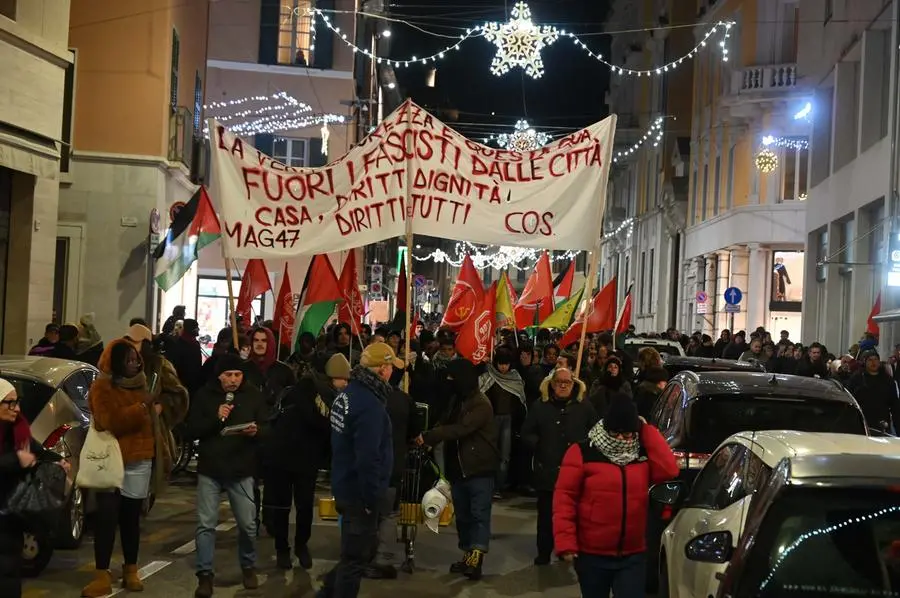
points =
(492, 256)
(523, 139)
(653, 135)
(520, 41)
(627, 225)
(271, 114)
(766, 161)
(797, 143)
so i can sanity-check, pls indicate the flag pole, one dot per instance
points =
(409, 243)
(589, 293)
(230, 283)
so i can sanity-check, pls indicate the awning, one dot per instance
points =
(891, 315)
(32, 154)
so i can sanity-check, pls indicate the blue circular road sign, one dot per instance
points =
(733, 296)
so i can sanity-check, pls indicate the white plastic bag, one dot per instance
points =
(100, 464)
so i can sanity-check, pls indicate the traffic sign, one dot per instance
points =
(702, 308)
(702, 297)
(731, 308)
(733, 296)
(419, 280)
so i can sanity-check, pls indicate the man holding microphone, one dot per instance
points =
(227, 416)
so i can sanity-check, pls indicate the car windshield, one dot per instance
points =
(826, 542)
(712, 419)
(33, 396)
(634, 348)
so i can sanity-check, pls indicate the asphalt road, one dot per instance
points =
(167, 560)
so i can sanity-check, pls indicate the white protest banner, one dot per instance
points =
(452, 188)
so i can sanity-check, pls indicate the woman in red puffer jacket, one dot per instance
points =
(601, 498)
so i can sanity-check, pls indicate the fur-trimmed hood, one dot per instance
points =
(545, 389)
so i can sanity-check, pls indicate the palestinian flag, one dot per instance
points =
(195, 227)
(318, 299)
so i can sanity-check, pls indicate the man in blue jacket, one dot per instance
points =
(361, 465)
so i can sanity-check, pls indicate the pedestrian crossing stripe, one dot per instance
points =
(191, 546)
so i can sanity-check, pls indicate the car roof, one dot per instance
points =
(636, 340)
(774, 445)
(48, 370)
(705, 383)
(712, 363)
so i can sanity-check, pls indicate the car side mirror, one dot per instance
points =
(714, 547)
(668, 493)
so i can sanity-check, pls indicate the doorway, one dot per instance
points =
(67, 273)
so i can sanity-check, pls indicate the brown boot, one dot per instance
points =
(204, 585)
(251, 582)
(130, 579)
(100, 586)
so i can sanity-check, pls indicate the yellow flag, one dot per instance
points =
(562, 317)
(504, 303)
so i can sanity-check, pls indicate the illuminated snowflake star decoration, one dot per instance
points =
(523, 139)
(519, 42)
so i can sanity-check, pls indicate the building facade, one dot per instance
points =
(647, 198)
(845, 55)
(749, 173)
(35, 69)
(138, 100)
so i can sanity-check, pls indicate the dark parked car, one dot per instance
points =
(699, 410)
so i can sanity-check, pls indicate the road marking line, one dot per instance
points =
(144, 572)
(191, 546)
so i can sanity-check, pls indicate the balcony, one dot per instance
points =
(181, 137)
(761, 79)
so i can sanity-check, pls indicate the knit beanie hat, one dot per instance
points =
(622, 416)
(337, 366)
(228, 362)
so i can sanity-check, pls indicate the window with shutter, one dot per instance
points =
(67, 115)
(173, 81)
(291, 151)
(296, 39)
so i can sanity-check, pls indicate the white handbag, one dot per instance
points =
(100, 464)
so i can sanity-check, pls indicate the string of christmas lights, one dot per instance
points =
(797, 143)
(500, 257)
(268, 114)
(522, 139)
(654, 134)
(627, 225)
(519, 43)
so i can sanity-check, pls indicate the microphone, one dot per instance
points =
(229, 399)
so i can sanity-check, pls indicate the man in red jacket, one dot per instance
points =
(601, 498)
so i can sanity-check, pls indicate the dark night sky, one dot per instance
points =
(569, 96)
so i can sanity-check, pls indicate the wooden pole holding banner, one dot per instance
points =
(409, 245)
(589, 294)
(231, 306)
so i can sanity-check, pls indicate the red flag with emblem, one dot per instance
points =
(350, 310)
(284, 310)
(477, 334)
(467, 296)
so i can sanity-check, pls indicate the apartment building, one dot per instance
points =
(137, 100)
(845, 56)
(749, 173)
(35, 64)
(647, 199)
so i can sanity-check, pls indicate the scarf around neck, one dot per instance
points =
(511, 382)
(134, 383)
(620, 452)
(371, 381)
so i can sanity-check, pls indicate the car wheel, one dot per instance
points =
(184, 449)
(71, 522)
(663, 584)
(37, 549)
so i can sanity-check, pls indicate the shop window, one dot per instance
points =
(290, 151)
(212, 310)
(295, 33)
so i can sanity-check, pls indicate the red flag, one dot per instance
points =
(624, 320)
(284, 310)
(350, 310)
(254, 283)
(563, 290)
(601, 315)
(412, 327)
(477, 333)
(871, 324)
(467, 296)
(536, 302)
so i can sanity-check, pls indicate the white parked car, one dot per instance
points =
(746, 474)
(633, 346)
